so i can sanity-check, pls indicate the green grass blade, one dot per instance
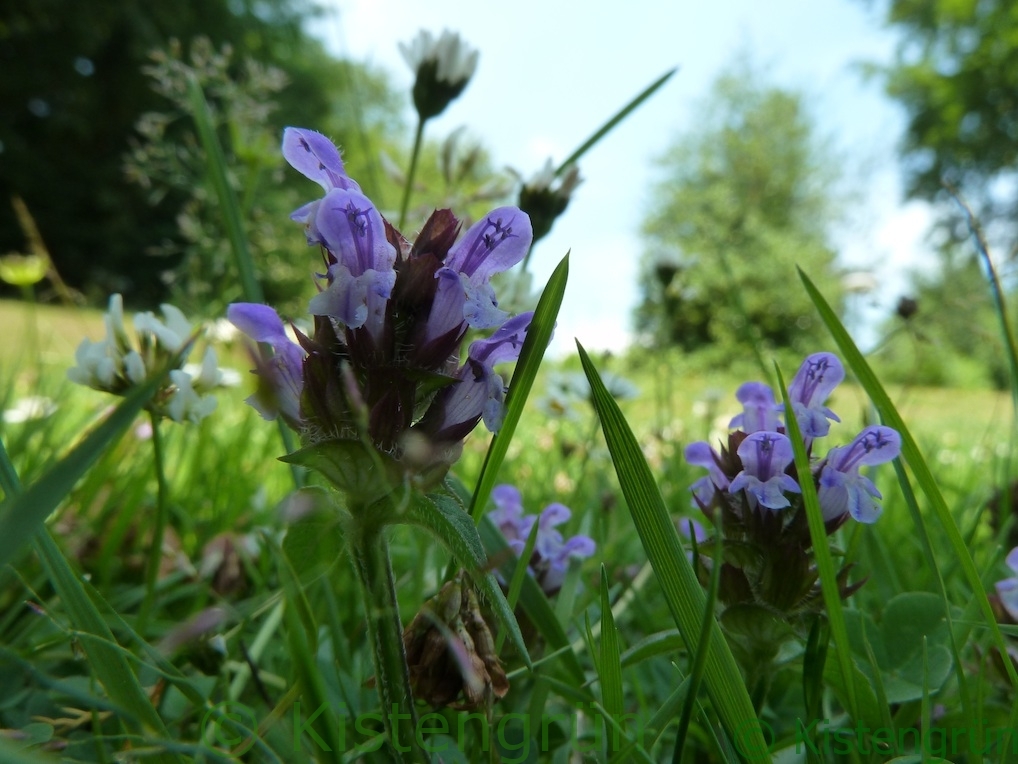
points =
(224, 192)
(12, 753)
(910, 450)
(678, 582)
(538, 337)
(696, 674)
(609, 667)
(108, 662)
(23, 512)
(608, 126)
(821, 552)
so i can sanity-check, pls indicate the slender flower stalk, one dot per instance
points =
(155, 556)
(442, 68)
(412, 173)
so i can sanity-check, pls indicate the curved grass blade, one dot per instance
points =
(821, 552)
(224, 191)
(910, 450)
(608, 126)
(538, 337)
(678, 582)
(23, 512)
(696, 674)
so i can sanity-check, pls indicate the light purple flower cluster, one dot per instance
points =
(389, 319)
(764, 452)
(552, 553)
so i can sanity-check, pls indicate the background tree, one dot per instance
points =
(745, 197)
(956, 75)
(71, 75)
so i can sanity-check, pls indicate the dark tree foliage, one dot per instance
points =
(73, 88)
(744, 198)
(956, 74)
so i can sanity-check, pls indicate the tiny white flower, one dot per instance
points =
(30, 408)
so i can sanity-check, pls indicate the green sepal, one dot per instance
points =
(363, 477)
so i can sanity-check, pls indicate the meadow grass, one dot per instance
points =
(289, 638)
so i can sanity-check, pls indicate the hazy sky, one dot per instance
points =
(551, 72)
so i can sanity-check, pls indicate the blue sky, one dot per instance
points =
(551, 72)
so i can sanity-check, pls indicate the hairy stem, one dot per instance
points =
(370, 553)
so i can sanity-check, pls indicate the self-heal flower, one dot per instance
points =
(479, 391)
(282, 373)
(816, 379)
(552, 553)
(360, 273)
(701, 454)
(443, 67)
(759, 409)
(1007, 589)
(492, 245)
(842, 488)
(765, 455)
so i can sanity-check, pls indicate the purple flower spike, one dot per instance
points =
(701, 454)
(842, 488)
(765, 455)
(492, 245)
(284, 372)
(316, 157)
(1007, 590)
(816, 379)
(759, 409)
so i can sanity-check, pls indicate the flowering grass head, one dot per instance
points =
(753, 488)
(381, 368)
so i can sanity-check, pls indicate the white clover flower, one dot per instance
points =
(117, 363)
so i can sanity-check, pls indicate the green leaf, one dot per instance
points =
(910, 451)
(362, 476)
(608, 666)
(538, 337)
(662, 643)
(897, 644)
(316, 541)
(23, 512)
(685, 598)
(449, 523)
